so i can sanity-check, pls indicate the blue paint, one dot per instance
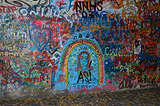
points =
(1, 90)
(40, 45)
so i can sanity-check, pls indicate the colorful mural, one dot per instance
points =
(78, 45)
(82, 62)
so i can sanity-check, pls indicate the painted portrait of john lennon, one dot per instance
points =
(84, 67)
(81, 63)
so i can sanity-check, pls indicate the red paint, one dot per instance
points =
(82, 89)
(125, 84)
(70, 89)
(75, 19)
(93, 89)
(47, 79)
(22, 73)
(4, 82)
(29, 79)
(35, 80)
(114, 25)
(65, 28)
(13, 80)
(59, 3)
(8, 8)
(124, 59)
(104, 87)
(42, 78)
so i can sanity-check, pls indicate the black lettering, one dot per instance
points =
(90, 75)
(86, 76)
(99, 5)
(80, 77)
(94, 6)
(19, 3)
(85, 5)
(84, 14)
(91, 14)
(78, 5)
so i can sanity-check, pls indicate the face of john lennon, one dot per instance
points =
(83, 59)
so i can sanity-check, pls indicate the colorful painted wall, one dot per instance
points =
(78, 45)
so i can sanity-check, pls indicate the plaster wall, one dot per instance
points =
(78, 45)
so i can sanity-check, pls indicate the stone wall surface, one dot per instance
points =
(52, 46)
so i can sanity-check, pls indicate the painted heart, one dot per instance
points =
(59, 3)
(40, 37)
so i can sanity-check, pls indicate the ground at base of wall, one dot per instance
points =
(140, 97)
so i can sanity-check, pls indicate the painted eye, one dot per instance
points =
(40, 56)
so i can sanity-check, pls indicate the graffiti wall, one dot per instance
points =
(78, 45)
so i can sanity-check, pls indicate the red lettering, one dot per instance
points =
(4, 82)
(13, 80)
(104, 87)
(35, 78)
(42, 78)
(28, 79)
